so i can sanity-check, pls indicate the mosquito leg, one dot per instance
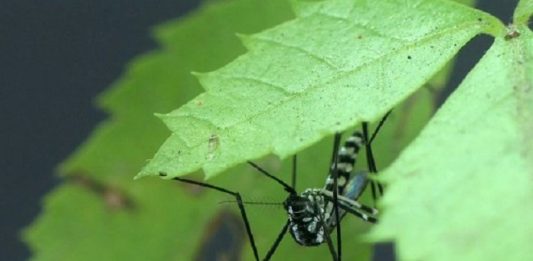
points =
(345, 202)
(294, 164)
(359, 214)
(371, 164)
(380, 124)
(330, 243)
(278, 240)
(281, 182)
(239, 202)
(370, 156)
(335, 194)
(373, 190)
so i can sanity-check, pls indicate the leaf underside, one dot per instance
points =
(338, 64)
(470, 197)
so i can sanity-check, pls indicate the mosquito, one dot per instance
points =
(316, 212)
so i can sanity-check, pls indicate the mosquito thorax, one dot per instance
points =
(304, 213)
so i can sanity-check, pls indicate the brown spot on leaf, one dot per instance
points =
(212, 146)
(114, 198)
(512, 35)
(512, 32)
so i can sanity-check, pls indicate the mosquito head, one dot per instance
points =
(296, 205)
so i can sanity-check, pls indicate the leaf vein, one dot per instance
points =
(257, 80)
(409, 45)
(302, 50)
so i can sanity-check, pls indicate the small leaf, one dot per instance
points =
(339, 63)
(463, 189)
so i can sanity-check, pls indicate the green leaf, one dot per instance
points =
(523, 12)
(81, 224)
(462, 190)
(339, 63)
(161, 80)
(99, 213)
(466, 2)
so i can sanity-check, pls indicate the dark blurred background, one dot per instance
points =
(56, 56)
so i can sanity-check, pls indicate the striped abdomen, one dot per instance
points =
(346, 157)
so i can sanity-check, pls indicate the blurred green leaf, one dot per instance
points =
(100, 213)
(161, 80)
(523, 12)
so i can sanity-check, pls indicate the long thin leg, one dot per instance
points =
(353, 207)
(278, 240)
(264, 172)
(370, 156)
(350, 203)
(294, 164)
(370, 163)
(335, 194)
(239, 203)
(380, 124)
(329, 242)
(359, 214)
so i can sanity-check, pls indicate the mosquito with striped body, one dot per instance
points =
(316, 212)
